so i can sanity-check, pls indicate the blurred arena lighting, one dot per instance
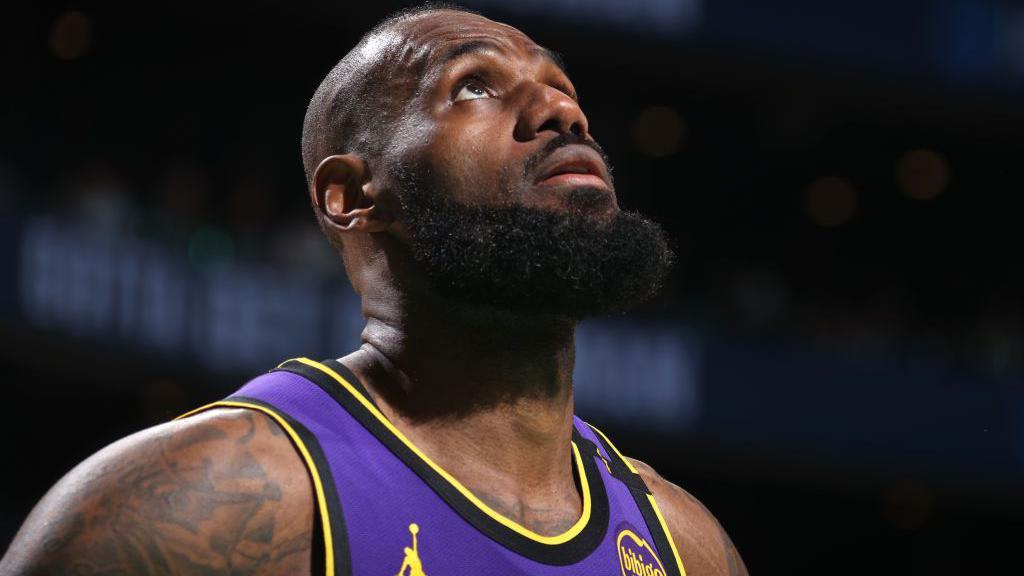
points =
(231, 316)
(659, 131)
(922, 174)
(666, 17)
(210, 247)
(143, 297)
(1013, 39)
(638, 376)
(760, 295)
(830, 201)
(71, 35)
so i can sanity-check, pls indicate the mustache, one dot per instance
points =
(560, 141)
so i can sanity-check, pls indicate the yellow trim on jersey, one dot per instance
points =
(654, 505)
(314, 472)
(559, 539)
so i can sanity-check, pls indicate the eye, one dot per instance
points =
(471, 90)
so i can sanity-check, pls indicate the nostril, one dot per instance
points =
(576, 129)
(552, 124)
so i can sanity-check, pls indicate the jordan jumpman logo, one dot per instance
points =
(412, 557)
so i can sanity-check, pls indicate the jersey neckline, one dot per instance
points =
(566, 548)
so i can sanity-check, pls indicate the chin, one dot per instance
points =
(591, 201)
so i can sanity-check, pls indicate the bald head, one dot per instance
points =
(363, 94)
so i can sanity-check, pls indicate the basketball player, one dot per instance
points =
(449, 161)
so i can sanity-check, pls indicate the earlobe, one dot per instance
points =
(342, 193)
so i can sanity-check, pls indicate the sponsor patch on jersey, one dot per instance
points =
(636, 555)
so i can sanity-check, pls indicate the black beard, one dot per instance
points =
(531, 261)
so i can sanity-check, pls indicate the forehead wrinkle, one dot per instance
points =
(485, 44)
(468, 47)
(411, 52)
(460, 26)
(434, 33)
(421, 48)
(482, 45)
(432, 29)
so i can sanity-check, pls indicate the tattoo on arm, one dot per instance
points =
(201, 501)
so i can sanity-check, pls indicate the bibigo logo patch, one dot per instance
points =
(636, 556)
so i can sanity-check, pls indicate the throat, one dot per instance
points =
(456, 365)
(488, 399)
(513, 452)
(517, 458)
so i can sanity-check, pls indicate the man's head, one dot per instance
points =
(457, 144)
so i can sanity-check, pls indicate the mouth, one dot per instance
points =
(573, 166)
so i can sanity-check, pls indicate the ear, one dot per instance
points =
(343, 194)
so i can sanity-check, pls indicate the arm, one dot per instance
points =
(220, 492)
(703, 545)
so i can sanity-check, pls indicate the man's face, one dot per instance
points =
(506, 199)
(491, 104)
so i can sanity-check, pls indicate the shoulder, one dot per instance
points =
(220, 491)
(703, 544)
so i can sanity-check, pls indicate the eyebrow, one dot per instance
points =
(475, 46)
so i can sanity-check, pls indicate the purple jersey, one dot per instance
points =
(384, 508)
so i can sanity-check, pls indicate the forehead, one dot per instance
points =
(441, 35)
(445, 26)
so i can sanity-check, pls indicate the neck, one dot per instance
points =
(486, 394)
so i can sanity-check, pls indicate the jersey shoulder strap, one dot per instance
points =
(623, 470)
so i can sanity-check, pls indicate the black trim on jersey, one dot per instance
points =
(342, 559)
(566, 553)
(318, 558)
(639, 490)
(350, 378)
(325, 382)
(618, 469)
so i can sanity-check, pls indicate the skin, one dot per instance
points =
(219, 493)
(166, 500)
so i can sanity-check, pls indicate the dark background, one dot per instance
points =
(840, 180)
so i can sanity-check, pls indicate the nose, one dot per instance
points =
(549, 109)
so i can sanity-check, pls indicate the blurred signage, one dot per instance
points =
(247, 318)
(774, 398)
(645, 376)
(109, 287)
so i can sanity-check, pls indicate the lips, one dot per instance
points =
(573, 165)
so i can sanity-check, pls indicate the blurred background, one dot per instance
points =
(836, 368)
